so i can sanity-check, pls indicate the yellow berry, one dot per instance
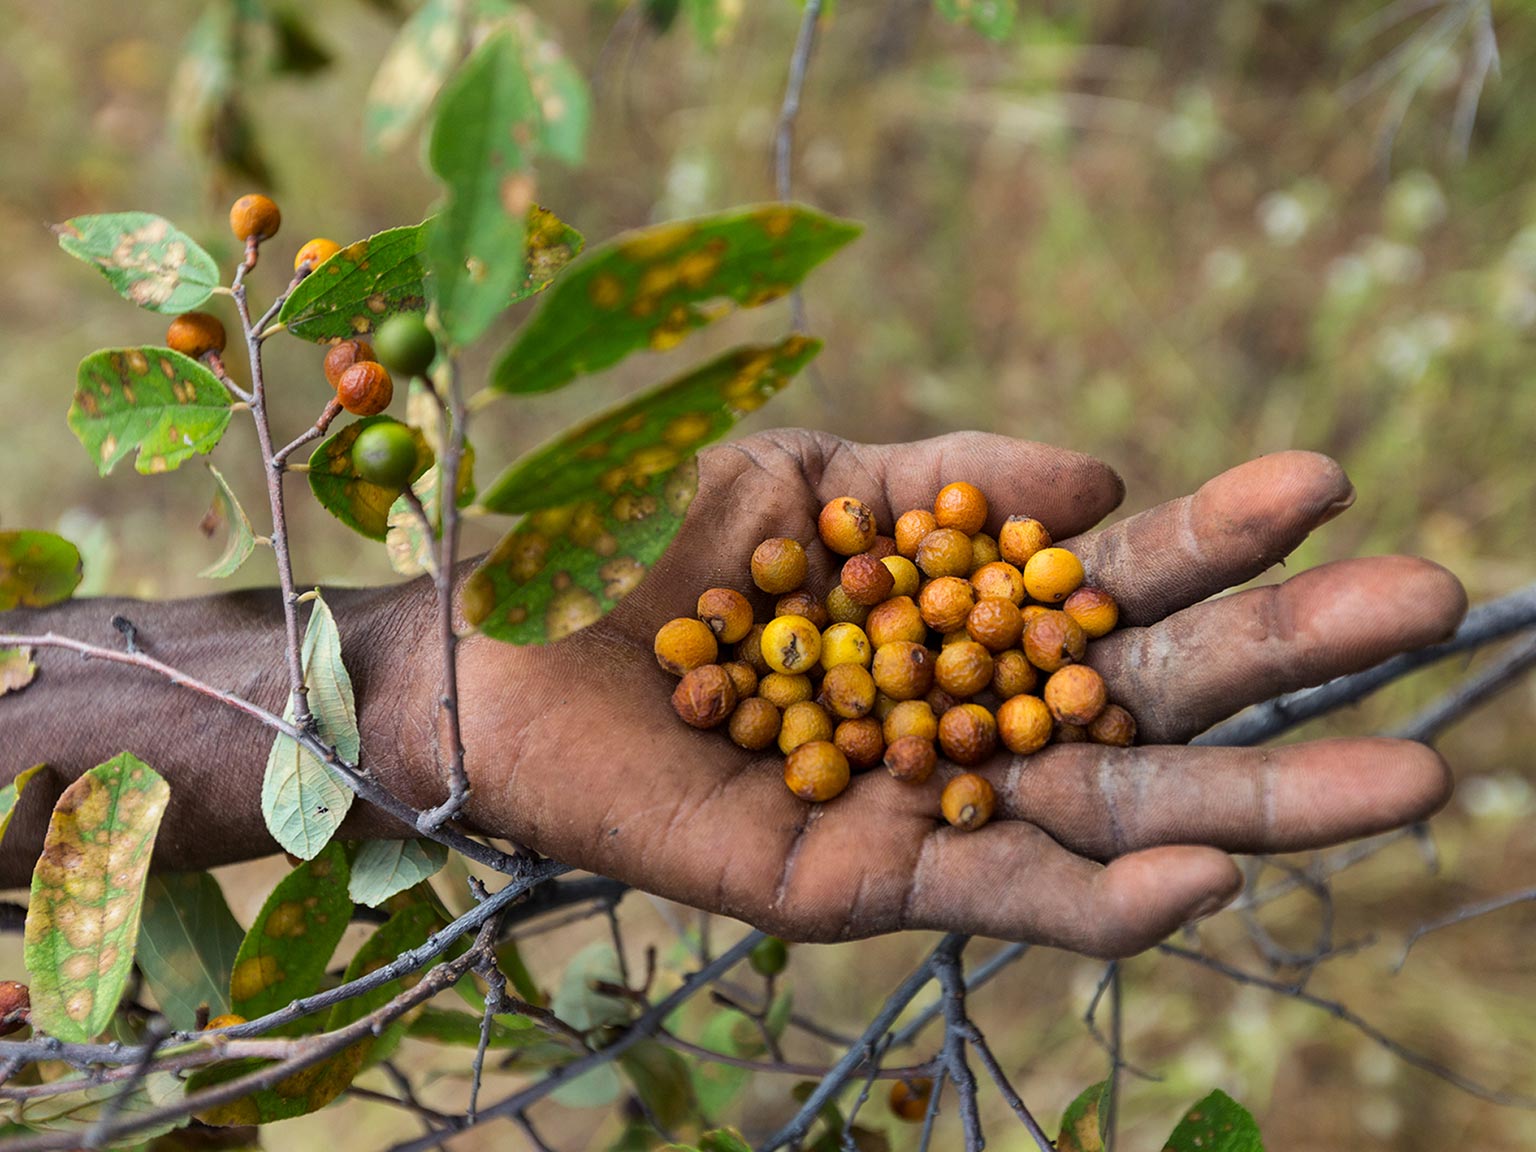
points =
(779, 565)
(315, 253)
(984, 551)
(845, 644)
(911, 718)
(791, 644)
(905, 578)
(1052, 574)
(803, 723)
(782, 689)
(967, 801)
(816, 771)
(1021, 538)
(683, 644)
(945, 552)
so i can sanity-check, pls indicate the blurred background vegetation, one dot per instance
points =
(1173, 233)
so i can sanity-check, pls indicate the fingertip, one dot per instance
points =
(1152, 893)
(1422, 778)
(1442, 597)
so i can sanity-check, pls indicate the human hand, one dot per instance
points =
(574, 750)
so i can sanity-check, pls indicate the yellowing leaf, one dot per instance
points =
(166, 405)
(16, 669)
(145, 257)
(11, 794)
(360, 504)
(36, 569)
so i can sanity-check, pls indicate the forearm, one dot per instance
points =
(79, 712)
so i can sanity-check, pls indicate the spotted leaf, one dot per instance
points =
(384, 868)
(1082, 1125)
(87, 893)
(302, 799)
(145, 257)
(16, 669)
(188, 941)
(284, 955)
(166, 405)
(562, 103)
(36, 569)
(11, 794)
(360, 504)
(1216, 1124)
(241, 541)
(992, 18)
(652, 433)
(481, 148)
(351, 293)
(418, 62)
(652, 287)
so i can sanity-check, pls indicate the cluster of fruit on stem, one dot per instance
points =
(938, 638)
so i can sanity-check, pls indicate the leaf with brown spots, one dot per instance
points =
(423, 54)
(653, 432)
(145, 257)
(16, 669)
(366, 282)
(1082, 1125)
(559, 90)
(166, 405)
(652, 287)
(284, 955)
(361, 505)
(36, 569)
(1216, 1124)
(87, 894)
(11, 793)
(241, 541)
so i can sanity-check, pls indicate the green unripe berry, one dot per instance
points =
(385, 454)
(405, 345)
(769, 957)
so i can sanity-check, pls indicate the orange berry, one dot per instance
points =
(909, 1099)
(1013, 674)
(1024, 724)
(816, 771)
(254, 217)
(999, 579)
(861, 741)
(903, 670)
(960, 506)
(984, 551)
(803, 723)
(967, 801)
(911, 759)
(963, 669)
(1053, 640)
(945, 552)
(968, 734)
(866, 580)
(911, 718)
(910, 530)
(1052, 574)
(1020, 538)
(315, 253)
(749, 650)
(754, 724)
(16, 1007)
(847, 526)
(705, 697)
(683, 644)
(995, 623)
(850, 691)
(340, 357)
(1075, 694)
(365, 389)
(226, 1020)
(779, 565)
(1094, 610)
(896, 619)
(946, 603)
(803, 603)
(727, 612)
(1114, 726)
(195, 334)
(783, 689)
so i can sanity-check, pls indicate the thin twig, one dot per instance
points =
(314, 432)
(1462, 915)
(974, 979)
(946, 967)
(1471, 693)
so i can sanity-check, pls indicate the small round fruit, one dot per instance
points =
(705, 697)
(315, 253)
(816, 771)
(911, 718)
(1021, 538)
(850, 690)
(1075, 694)
(365, 389)
(226, 1020)
(754, 724)
(254, 217)
(903, 670)
(803, 723)
(742, 676)
(905, 577)
(882, 548)
(1053, 640)
(945, 552)
(984, 551)
(195, 334)
(845, 644)
(791, 644)
(1000, 579)
(1013, 674)
(861, 740)
(1114, 726)
(405, 344)
(866, 580)
(842, 610)
(15, 1007)
(769, 956)
(1070, 734)
(910, 530)
(1052, 574)
(779, 565)
(909, 1099)
(995, 623)
(911, 759)
(946, 603)
(940, 701)
(968, 734)
(727, 612)
(684, 644)
(782, 690)
(896, 619)
(385, 454)
(749, 650)
(847, 526)
(340, 357)
(967, 801)
(1024, 724)
(963, 669)
(962, 506)
(1094, 610)
(803, 603)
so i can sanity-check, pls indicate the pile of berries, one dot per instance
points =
(940, 638)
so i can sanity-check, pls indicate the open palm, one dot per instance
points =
(575, 751)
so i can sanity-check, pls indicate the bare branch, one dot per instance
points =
(1462, 915)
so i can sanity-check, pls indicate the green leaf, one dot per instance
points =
(302, 800)
(724, 1140)
(460, 1029)
(145, 257)
(1216, 1124)
(1082, 1124)
(242, 538)
(717, 1085)
(87, 893)
(564, 107)
(297, 48)
(360, 504)
(653, 432)
(480, 147)
(992, 18)
(578, 1001)
(712, 21)
(188, 941)
(94, 1101)
(413, 71)
(660, 1079)
(16, 669)
(355, 290)
(36, 569)
(383, 868)
(166, 405)
(652, 287)
(284, 955)
(11, 793)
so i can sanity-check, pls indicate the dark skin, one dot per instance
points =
(573, 750)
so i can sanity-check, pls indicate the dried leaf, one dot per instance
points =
(242, 538)
(11, 794)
